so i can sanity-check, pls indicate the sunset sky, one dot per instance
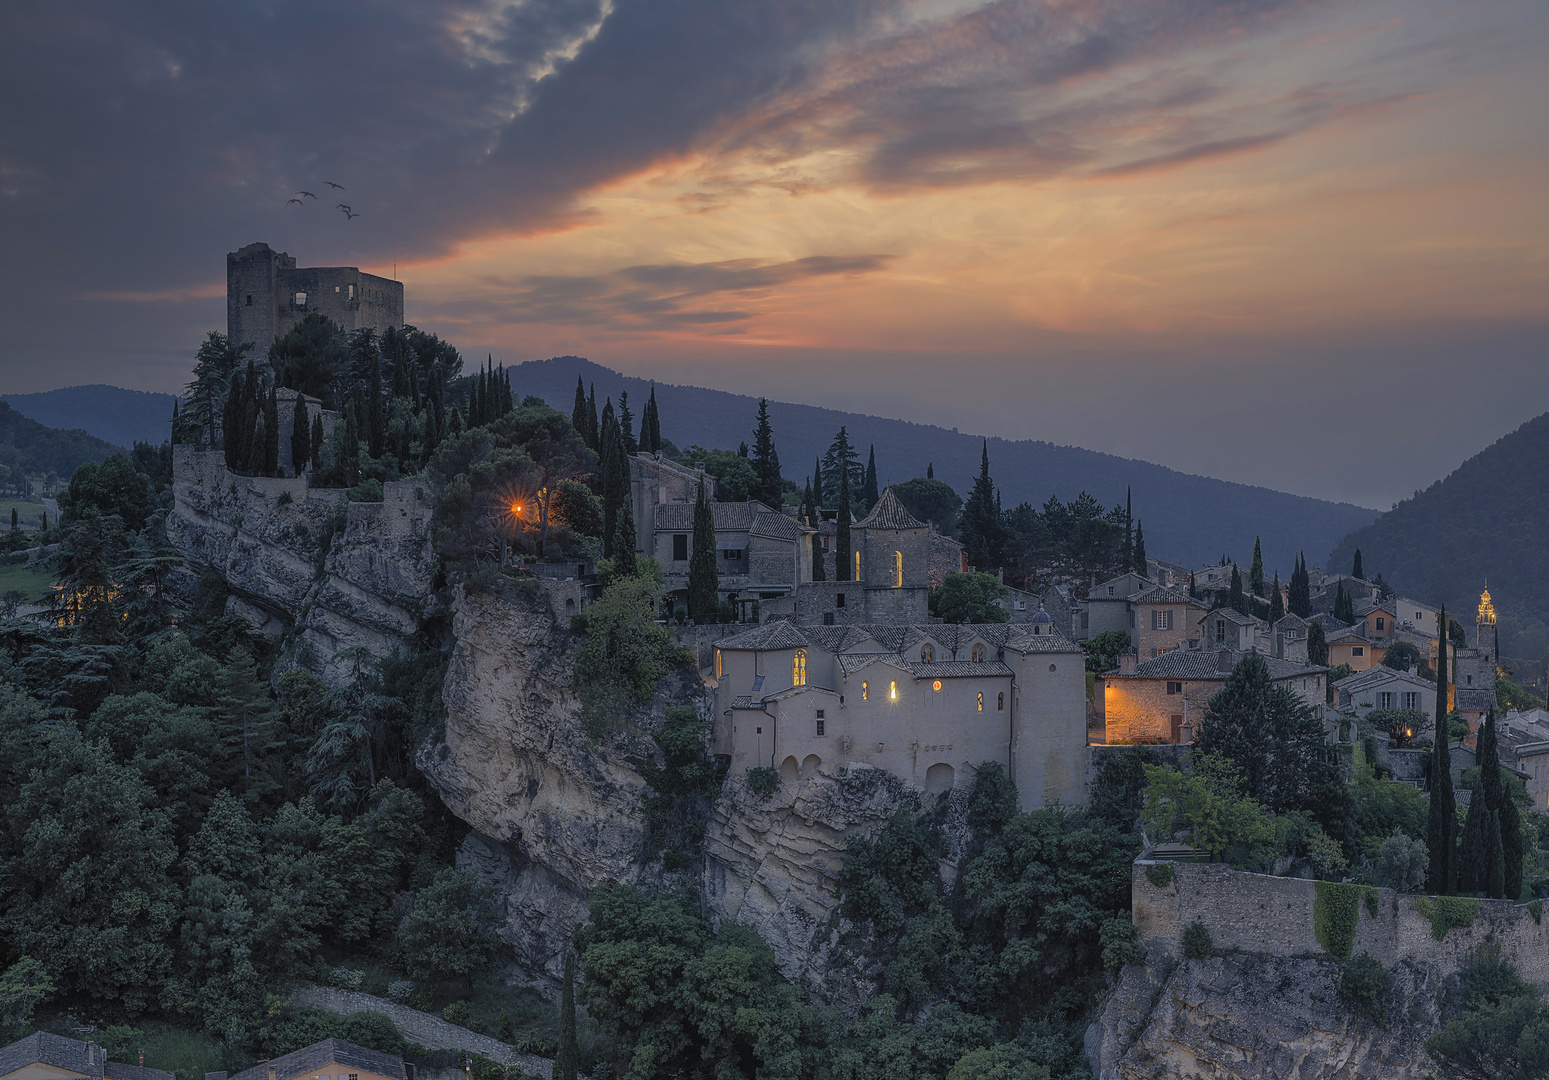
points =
(1299, 244)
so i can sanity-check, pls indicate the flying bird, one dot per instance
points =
(348, 215)
(308, 194)
(331, 184)
(343, 206)
(298, 202)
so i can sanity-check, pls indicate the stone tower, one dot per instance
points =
(267, 294)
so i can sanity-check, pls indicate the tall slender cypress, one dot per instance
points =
(1356, 570)
(567, 1060)
(615, 477)
(651, 425)
(870, 494)
(1276, 603)
(766, 460)
(624, 541)
(1129, 531)
(809, 511)
(1140, 548)
(300, 438)
(627, 424)
(842, 565)
(704, 577)
(272, 432)
(1256, 570)
(818, 495)
(317, 441)
(578, 410)
(1234, 596)
(1441, 826)
(593, 422)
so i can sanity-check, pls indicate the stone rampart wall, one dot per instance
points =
(1275, 915)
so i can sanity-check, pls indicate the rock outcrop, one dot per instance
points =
(554, 814)
(348, 574)
(1244, 1017)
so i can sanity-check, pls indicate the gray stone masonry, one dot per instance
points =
(426, 1029)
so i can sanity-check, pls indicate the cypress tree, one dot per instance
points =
(1317, 649)
(871, 494)
(1276, 604)
(15, 521)
(175, 439)
(272, 432)
(1256, 570)
(651, 425)
(231, 423)
(1193, 588)
(624, 541)
(1234, 597)
(809, 511)
(1441, 826)
(300, 437)
(627, 424)
(593, 422)
(351, 446)
(1140, 548)
(842, 564)
(704, 577)
(1356, 570)
(1510, 818)
(567, 1060)
(578, 410)
(317, 440)
(455, 425)
(930, 471)
(376, 411)
(1129, 531)
(612, 464)
(818, 495)
(766, 461)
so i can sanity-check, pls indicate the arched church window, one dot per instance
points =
(978, 653)
(898, 569)
(892, 690)
(927, 654)
(981, 700)
(865, 691)
(1000, 701)
(799, 668)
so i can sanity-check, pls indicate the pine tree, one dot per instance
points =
(1441, 828)
(317, 441)
(272, 432)
(300, 438)
(704, 577)
(627, 424)
(1256, 570)
(742, 450)
(651, 425)
(1140, 548)
(578, 410)
(842, 565)
(841, 458)
(1355, 567)
(870, 494)
(1276, 604)
(567, 1059)
(766, 460)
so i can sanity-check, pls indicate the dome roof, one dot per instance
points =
(1041, 616)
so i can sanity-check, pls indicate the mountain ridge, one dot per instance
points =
(113, 414)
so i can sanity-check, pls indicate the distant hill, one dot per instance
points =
(1486, 522)
(40, 449)
(111, 413)
(1188, 519)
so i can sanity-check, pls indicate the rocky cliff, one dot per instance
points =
(347, 574)
(1246, 1017)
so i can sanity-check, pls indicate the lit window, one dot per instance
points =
(927, 654)
(865, 691)
(1000, 702)
(978, 653)
(301, 299)
(981, 700)
(936, 686)
(892, 690)
(857, 574)
(898, 569)
(799, 668)
(718, 663)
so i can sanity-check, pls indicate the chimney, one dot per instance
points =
(1279, 644)
(142, 1059)
(1224, 660)
(271, 1072)
(1126, 663)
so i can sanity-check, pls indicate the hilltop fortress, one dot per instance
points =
(267, 294)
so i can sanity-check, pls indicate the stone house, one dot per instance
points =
(1524, 748)
(947, 556)
(759, 553)
(1287, 639)
(1377, 619)
(1224, 628)
(1413, 615)
(927, 703)
(1069, 615)
(1019, 604)
(1165, 618)
(1108, 607)
(890, 581)
(46, 1056)
(1350, 645)
(331, 1059)
(1383, 688)
(1162, 700)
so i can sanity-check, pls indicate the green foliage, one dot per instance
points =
(1402, 862)
(1403, 655)
(1197, 942)
(1160, 874)
(625, 653)
(965, 598)
(1103, 650)
(24, 986)
(1365, 982)
(1502, 1032)
(703, 572)
(1121, 942)
(1535, 908)
(567, 1059)
(445, 936)
(1208, 802)
(1401, 725)
(735, 477)
(1447, 912)
(1336, 909)
(682, 788)
(763, 780)
(113, 488)
(993, 802)
(930, 500)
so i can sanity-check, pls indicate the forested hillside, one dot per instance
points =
(1189, 519)
(121, 417)
(39, 449)
(1485, 523)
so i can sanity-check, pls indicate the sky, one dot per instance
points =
(1301, 244)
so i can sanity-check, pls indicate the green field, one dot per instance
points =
(27, 510)
(32, 586)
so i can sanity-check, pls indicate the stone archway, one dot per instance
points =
(939, 778)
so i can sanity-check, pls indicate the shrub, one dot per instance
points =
(1160, 874)
(459, 1013)
(1447, 912)
(1336, 908)
(1197, 943)
(367, 491)
(346, 978)
(1366, 982)
(283, 500)
(763, 780)
(1535, 908)
(1121, 942)
(400, 991)
(1402, 863)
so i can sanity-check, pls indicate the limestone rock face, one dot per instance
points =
(1245, 1017)
(554, 813)
(772, 862)
(350, 574)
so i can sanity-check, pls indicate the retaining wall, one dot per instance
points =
(1274, 915)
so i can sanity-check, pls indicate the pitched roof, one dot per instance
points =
(780, 634)
(328, 1052)
(1205, 664)
(849, 663)
(889, 513)
(1350, 634)
(729, 516)
(777, 526)
(1233, 616)
(1162, 594)
(957, 669)
(1474, 700)
(73, 1055)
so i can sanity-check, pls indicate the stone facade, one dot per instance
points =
(267, 294)
(1163, 700)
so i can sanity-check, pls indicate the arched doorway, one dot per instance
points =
(938, 778)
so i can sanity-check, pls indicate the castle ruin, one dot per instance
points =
(267, 294)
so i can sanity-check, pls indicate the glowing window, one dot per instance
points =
(1000, 702)
(892, 690)
(857, 566)
(717, 663)
(799, 668)
(981, 700)
(978, 653)
(301, 299)
(936, 686)
(898, 569)
(927, 654)
(865, 691)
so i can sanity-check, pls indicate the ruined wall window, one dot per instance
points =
(301, 299)
(978, 653)
(351, 294)
(981, 700)
(799, 668)
(1000, 701)
(680, 547)
(892, 690)
(927, 654)
(898, 569)
(839, 600)
(865, 691)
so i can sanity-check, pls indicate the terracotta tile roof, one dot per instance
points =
(1205, 664)
(1474, 700)
(957, 669)
(1349, 635)
(309, 1059)
(729, 516)
(1162, 594)
(1232, 616)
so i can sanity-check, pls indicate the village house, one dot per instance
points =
(46, 1056)
(1224, 628)
(1524, 748)
(1377, 620)
(1383, 688)
(331, 1059)
(1108, 605)
(1165, 618)
(1349, 645)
